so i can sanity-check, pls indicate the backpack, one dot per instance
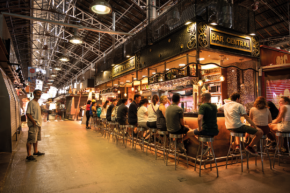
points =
(99, 111)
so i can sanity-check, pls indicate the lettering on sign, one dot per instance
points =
(281, 59)
(124, 67)
(227, 40)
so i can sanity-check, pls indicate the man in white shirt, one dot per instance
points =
(34, 123)
(233, 111)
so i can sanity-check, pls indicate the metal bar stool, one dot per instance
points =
(277, 151)
(203, 139)
(122, 133)
(164, 134)
(176, 137)
(115, 132)
(132, 131)
(240, 135)
(104, 126)
(263, 148)
(140, 131)
(154, 132)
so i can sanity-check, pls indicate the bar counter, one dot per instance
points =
(221, 141)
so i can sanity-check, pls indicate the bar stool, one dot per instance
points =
(154, 132)
(204, 139)
(104, 125)
(164, 134)
(175, 137)
(261, 152)
(132, 131)
(122, 132)
(240, 135)
(140, 131)
(277, 151)
(115, 132)
(111, 129)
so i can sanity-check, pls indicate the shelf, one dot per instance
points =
(212, 74)
(213, 81)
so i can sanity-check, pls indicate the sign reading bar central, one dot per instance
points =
(124, 67)
(228, 40)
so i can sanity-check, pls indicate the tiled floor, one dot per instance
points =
(80, 160)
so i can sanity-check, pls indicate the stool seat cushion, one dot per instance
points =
(176, 136)
(162, 132)
(205, 138)
(237, 134)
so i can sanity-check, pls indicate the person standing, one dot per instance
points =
(48, 110)
(233, 111)
(58, 111)
(33, 113)
(110, 109)
(88, 107)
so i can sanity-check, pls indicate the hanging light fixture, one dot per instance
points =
(50, 79)
(119, 91)
(213, 19)
(64, 59)
(200, 82)
(132, 88)
(49, 83)
(57, 67)
(125, 94)
(76, 39)
(53, 75)
(101, 7)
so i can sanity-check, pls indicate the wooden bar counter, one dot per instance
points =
(221, 141)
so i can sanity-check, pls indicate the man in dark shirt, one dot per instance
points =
(132, 117)
(109, 111)
(122, 112)
(175, 122)
(207, 117)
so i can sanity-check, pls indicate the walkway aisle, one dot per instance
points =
(80, 160)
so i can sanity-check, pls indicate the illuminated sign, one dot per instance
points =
(124, 67)
(232, 41)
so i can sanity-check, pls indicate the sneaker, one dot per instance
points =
(56, 120)
(251, 151)
(39, 153)
(30, 158)
(88, 127)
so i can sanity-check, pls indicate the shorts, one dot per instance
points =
(152, 125)
(34, 134)
(143, 124)
(265, 129)
(203, 132)
(59, 113)
(245, 129)
(284, 127)
(183, 130)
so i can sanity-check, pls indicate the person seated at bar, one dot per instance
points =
(207, 117)
(122, 112)
(99, 111)
(161, 122)
(114, 111)
(175, 122)
(273, 109)
(94, 112)
(261, 116)
(282, 122)
(233, 111)
(109, 111)
(152, 112)
(132, 114)
(129, 102)
(104, 110)
(142, 115)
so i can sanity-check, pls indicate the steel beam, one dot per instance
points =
(66, 24)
